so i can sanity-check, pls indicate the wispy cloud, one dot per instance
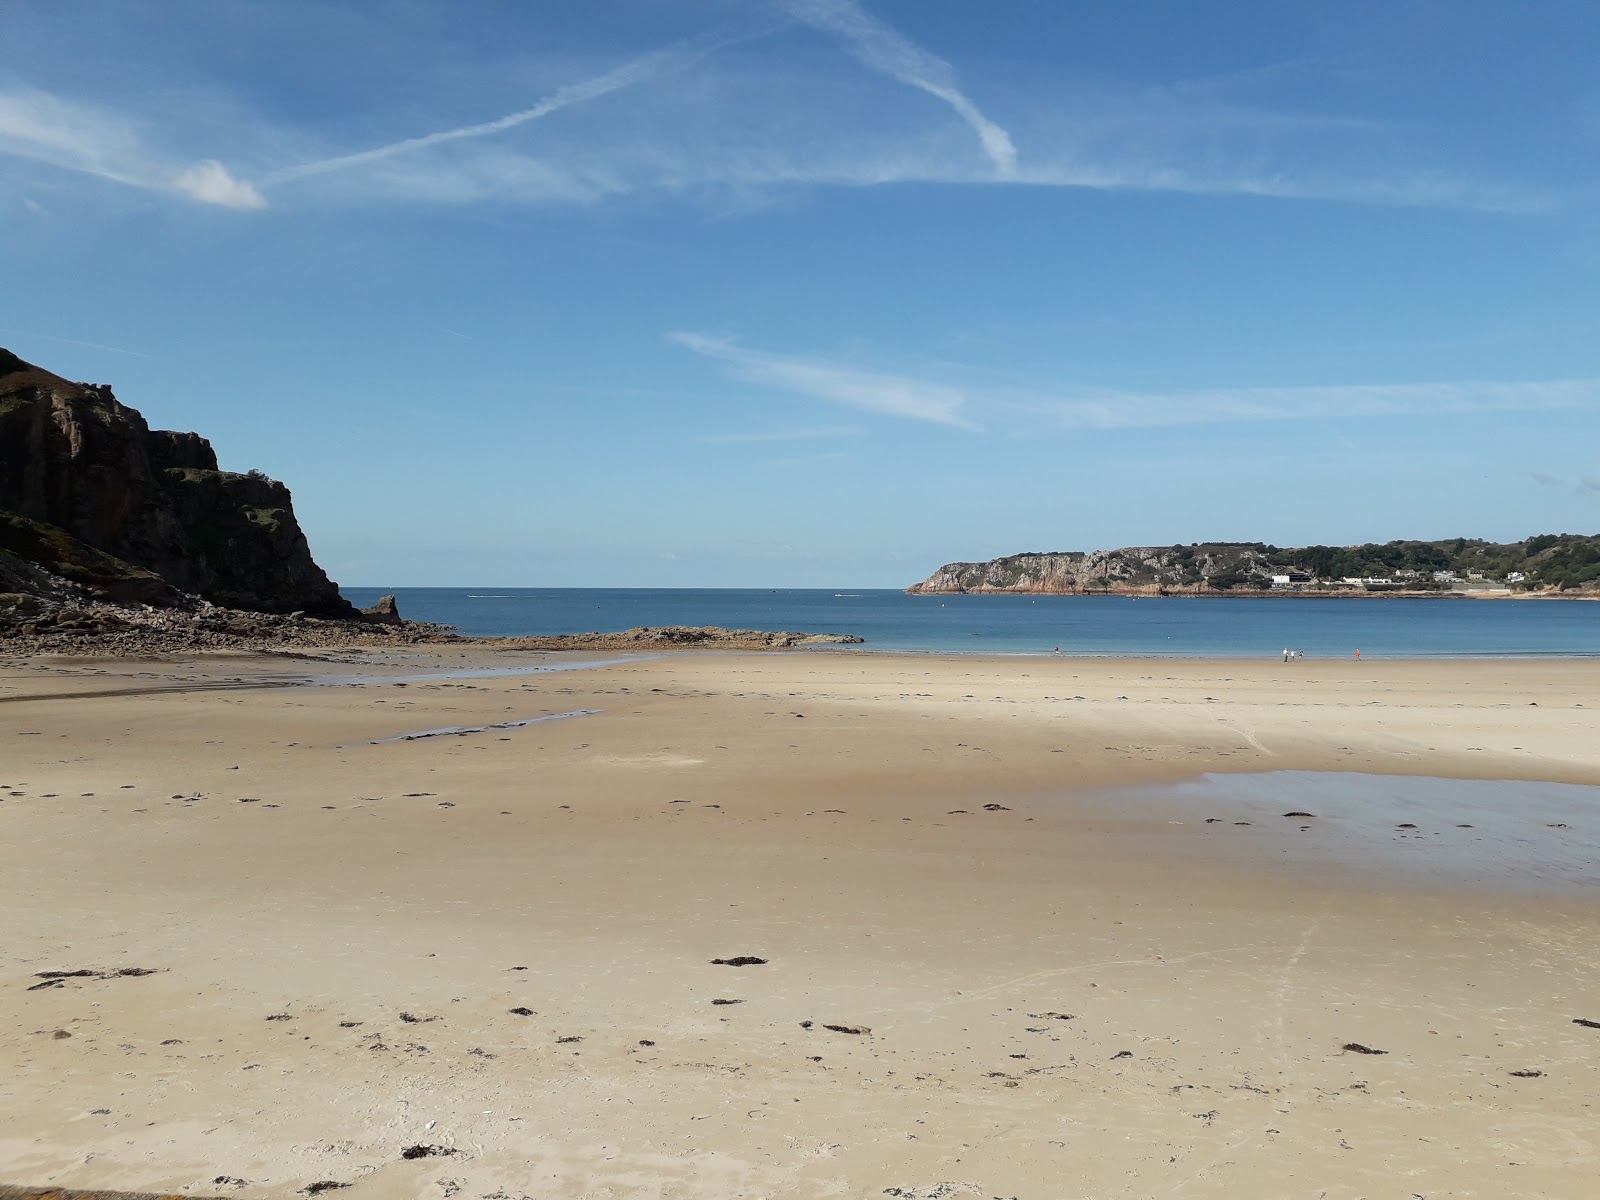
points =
(937, 395)
(635, 71)
(1137, 410)
(697, 119)
(94, 141)
(819, 379)
(786, 435)
(883, 48)
(739, 130)
(76, 137)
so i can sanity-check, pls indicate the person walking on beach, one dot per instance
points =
(1286, 654)
(1358, 654)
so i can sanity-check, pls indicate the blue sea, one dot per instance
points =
(1079, 625)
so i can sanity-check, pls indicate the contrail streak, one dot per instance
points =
(635, 71)
(885, 49)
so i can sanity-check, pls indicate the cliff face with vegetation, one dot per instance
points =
(1546, 563)
(89, 493)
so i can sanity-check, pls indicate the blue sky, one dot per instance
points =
(818, 293)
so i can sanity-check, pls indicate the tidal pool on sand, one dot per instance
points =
(1409, 831)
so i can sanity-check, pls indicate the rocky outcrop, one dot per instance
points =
(385, 612)
(141, 515)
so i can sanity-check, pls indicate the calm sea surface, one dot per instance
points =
(1095, 625)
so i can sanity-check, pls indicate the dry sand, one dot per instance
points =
(1066, 995)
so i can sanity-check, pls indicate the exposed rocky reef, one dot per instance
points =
(83, 627)
(91, 494)
(74, 625)
(676, 636)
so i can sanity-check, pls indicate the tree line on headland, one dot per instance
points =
(1550, 563)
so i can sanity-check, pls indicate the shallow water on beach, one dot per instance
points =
(418, 735)
(1079, 625)
(1398, 829)
(534, 666)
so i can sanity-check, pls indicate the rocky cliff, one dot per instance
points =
(90, 493)
(1132, 569)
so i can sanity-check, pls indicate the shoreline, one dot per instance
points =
(1145, 656)
(821, 644)
(502, 943)
(1140, 593)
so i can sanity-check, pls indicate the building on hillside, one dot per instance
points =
(1516, 577)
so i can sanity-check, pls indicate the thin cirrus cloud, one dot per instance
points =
(1032, 406)
(66, 341)
(818, 379)
(869, 40)
(90, 140)
(714, 134)
(1128, 410)
(885, 49)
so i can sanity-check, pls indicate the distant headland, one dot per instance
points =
(1547, 565)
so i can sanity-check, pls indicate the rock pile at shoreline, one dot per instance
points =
(83, 626)
(67, 621)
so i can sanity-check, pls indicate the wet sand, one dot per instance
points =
(498, 946)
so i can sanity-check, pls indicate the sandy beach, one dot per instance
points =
(315, 944)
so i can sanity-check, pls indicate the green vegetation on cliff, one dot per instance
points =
(1549, 562)
(64, 555)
